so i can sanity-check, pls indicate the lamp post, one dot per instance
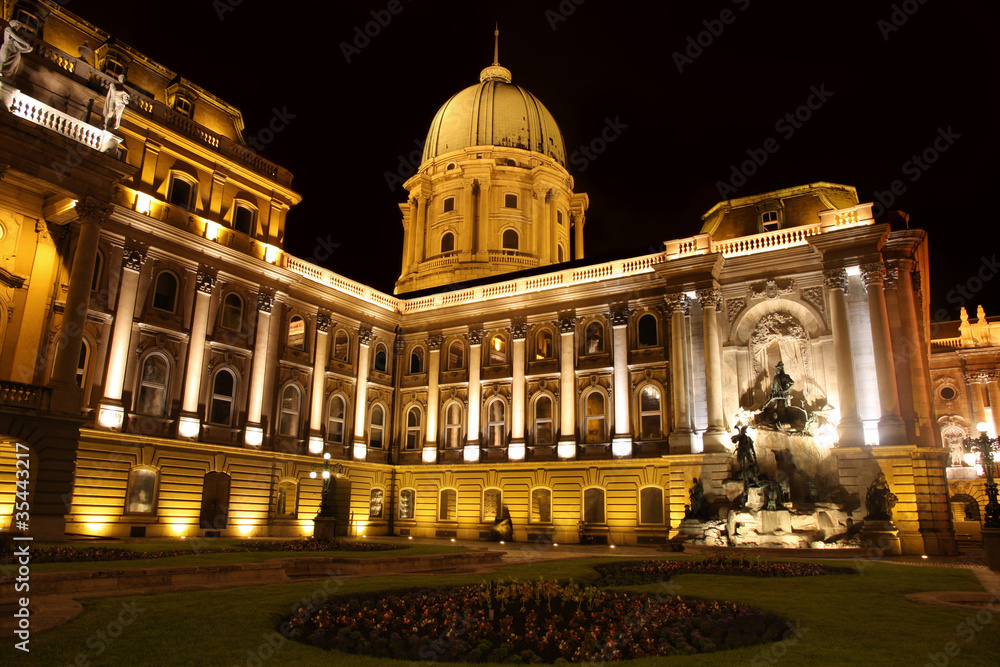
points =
(986, 446)
(325, 521)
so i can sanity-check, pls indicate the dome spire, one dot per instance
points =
(496, 71)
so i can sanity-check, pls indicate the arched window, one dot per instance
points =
(375, 503)
(453, 425)
(244, 217)
(544, 349)
(223, 396)
(407, 500)
(376, 427)
(447, 242)
(297, 332)
(285, 503)
(232, 312)
(594, 339)
(541, 506)
(341, 346)
(498, 350)
(594, 411)
(182, 192)
(510, 240)
(593, 505)
(456, 356)
(647, 330)
(165, 292)
(153, 380)
(561, 254)
(651, 505)
(650, 413)
(82, 364)
(291, 406)
(496, 423)
(417, 360)
(336, 419)
(492, 505)
(140, 496)
(381, 358)
(447, 505)
(413, 439)
(544, 433)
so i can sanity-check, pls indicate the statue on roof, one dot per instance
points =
(15, 42)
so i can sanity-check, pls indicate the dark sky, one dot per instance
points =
(895, 85)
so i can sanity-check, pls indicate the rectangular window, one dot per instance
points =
(407, 498)
(593, 506)
(510, 201)
(449, 204)
(375, 504)
(181, 193)
(651, 505)
(447, 508)
(243, 219)
(541, 506)
(492, 501)
(141, 495)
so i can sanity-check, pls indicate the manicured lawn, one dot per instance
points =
(840, 620)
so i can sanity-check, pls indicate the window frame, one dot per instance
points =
(155, 294)
(583, 506)
(503, 240)
(242, 204)
(499, 511)
(225, 307)
(769, 224)
(552, 344)
(417, 351)
(551, 419)
(639, 342)
(492, 425)
(380, 348)
(347, 350)
(508, 197)
(380, 491)
(295, 317)
(372, 428)
(297, 413)
(130, 488)
(447, 427)
(447, 236)
(492, 351)
(215, 396)
(446, 510)
(413, 504)
(452, 366)
(337, 396)
(283, 485)
(414, 430)
(191, 183)
(445, 208)
(587, 417)
(640, 516)
(142, 383)
(532, 507)
(602, 348)
(640, 412)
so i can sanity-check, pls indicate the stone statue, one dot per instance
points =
(15, 42)
(699, 508)
(746, 456)
(114, 104)
(879, 500)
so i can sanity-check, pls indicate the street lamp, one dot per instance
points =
(986, 446)
(327, 472)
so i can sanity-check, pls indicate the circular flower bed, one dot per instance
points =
(66, 554)
(530, 622)
(627, 573)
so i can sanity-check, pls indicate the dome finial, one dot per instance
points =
(496, 71)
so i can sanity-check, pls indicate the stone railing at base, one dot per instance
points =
(29, 396)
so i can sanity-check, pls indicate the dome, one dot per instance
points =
(494, 113)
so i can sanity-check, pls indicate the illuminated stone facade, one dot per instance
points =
(214, 369)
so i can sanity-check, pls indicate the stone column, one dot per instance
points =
(361, 391)
(111, 412)
(92, 215)
(483, 228)
(891, 430)
(920, 393)
(621, 442)
(254, 432)
(433, 396)
(716, 435)
(852, 432)
(976, 380)
(465, 236)
(567, 387)
(418, 231)
(682, 439)
(578, 231)
(319, 383)
(475, 388)
(189, 424)
(518, 331)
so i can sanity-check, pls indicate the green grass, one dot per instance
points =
(218, 558)
(844, 620)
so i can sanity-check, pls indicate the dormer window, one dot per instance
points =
(769, 221)
(184, 106)
(30, 18)
(115, 65)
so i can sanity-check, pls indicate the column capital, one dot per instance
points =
(710, 298)
(93, 210)
(619, 316)
(132, 259)
(265, 302)
(567, 324)
(518, 330)
(322, 323)
(205, 282)
(835, 279)
(678, 302)
(364, 335)
(475, 336)
(435, 342)
(891, 277)
(872, 274)
(976, 377)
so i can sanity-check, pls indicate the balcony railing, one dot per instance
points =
(28, 396)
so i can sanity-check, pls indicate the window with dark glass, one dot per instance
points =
(376, 427)
(417, 360)
(243, 219)
(335, 422)
(456, 356)
(544, 434)
(650, 413)
(595, 338)
(181, 193)
(647, 330)
(541, 506)
(82, 363)
(651, 505)
(291, 405)
(413, 428)
(232, 312)
(380, 358)
(510, 201)
(341, 346)
(449, 204)
(447, 510)
(165, 292)
(510, 240)
(496, 423)
(593, 506)
(285, 504)
(447, 242)
(223, 395)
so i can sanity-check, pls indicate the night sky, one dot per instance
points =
(889, 82)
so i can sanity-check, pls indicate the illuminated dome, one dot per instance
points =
(494, 113)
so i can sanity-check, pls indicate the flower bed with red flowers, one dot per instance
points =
(66, 554)
(627, 573)
(531, 622)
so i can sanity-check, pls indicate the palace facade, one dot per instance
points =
(174, 372)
